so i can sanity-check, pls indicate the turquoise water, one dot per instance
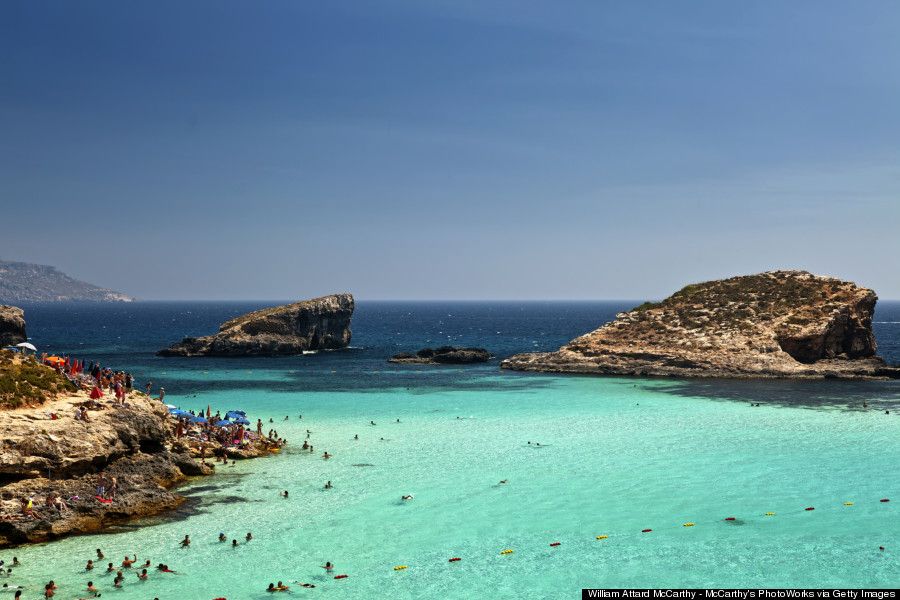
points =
(617, 456)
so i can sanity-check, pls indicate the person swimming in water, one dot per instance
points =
(328, 486)
(222, 537)
(234, 543)
(407, 497)
(186, 541)
(326, 455)
(249, 536)
(329, 568)
(306, 585)
(283, 494)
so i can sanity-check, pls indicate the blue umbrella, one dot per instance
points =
(235, 413)
(198, 420)
(224, 423)
(242, 421)
(178, 412)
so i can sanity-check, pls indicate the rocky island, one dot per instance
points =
(319, 324)
(779, 324)
(12, 325)
(453, 355)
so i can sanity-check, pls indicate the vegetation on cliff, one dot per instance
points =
(25, 381)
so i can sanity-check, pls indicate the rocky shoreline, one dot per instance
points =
(43, 456)
(779, 324)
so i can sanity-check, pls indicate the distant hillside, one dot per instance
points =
(26, 282)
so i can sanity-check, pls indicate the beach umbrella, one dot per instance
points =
(224, 423)
(242, 421)
(170, 406)
(198, 420)
(26, 345)
(235, 413)
(53, 359)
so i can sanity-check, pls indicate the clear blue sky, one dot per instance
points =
(444, 149)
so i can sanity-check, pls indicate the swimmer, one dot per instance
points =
(372, 422)
(16, 562)
(329, 568)
(249, 536)
(398, 420)
(283, 588)
(285, 417)
(89, 566)
(407, 497)
(865, 405)
(128, 562)
(234, 543)
(326, 455)
(283, 494)
(91, 587)
(186, 541)
(110, 568)
(306, 585)
(146, 564)
(328, 486)
(99, 554)
(355, 437)
(504, 481)
(222, 537)
(143, 575)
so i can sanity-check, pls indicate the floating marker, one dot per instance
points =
(688, 524)
(507, 552)
(881, 547)
(400, 567)
(454, 559)
(770, 514)
(885, 500)
(847, 503)
(729, 518)
(645, 530)
(810, 508)
(555, 544)
(601, 537)
(340, 576)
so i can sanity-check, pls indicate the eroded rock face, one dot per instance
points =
(444, 355)
(320, 324)
(12, 325)
(775, 324)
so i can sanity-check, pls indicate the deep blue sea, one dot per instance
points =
(616, 456)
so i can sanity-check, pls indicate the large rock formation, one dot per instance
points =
(12, 325)
(445, 355)
(136, 444)
(320, 324)
(776, 324)
(27, 282)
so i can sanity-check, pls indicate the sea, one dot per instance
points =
(610, 482)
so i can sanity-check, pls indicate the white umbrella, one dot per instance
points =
(26, 345)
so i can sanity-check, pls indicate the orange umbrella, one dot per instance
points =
(53, 359)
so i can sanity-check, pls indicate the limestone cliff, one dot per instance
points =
(12, 325)
(320, 324)
(775, 324)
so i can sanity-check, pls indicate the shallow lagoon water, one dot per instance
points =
(617, 456)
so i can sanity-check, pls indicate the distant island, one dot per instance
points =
(779, 324)
(319, 324)
(27, 282)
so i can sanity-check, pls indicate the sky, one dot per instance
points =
(449, 149)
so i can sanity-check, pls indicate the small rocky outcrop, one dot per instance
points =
(445, 355)
(12, 325)
(790, 324)
(319, 324)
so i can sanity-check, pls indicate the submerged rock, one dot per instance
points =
(444, 355)
(320, 324)
(790, 324)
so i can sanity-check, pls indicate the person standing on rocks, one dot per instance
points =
(101, 485)
(162, 394)
(149, 385)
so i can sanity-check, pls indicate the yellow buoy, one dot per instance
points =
(400, 567)
(507, 552)
(848, 503)
(688, 524)
(601, 537)
(770, 514)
